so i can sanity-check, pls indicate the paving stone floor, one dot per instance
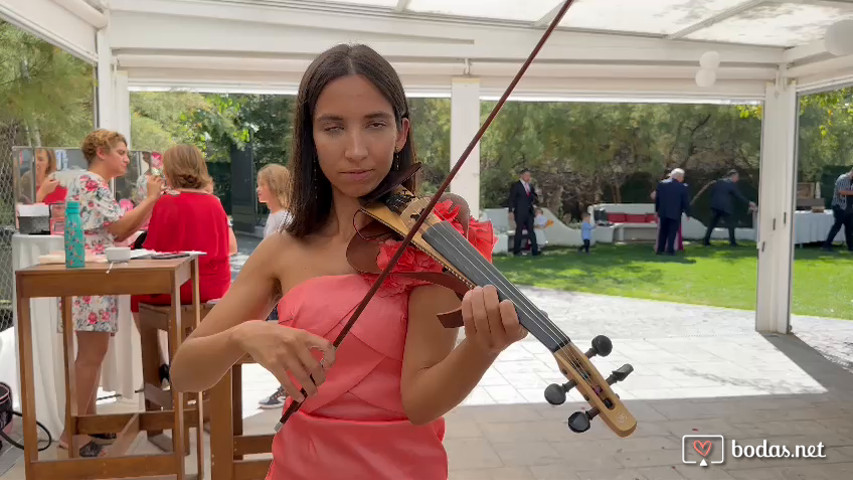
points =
(697, 371)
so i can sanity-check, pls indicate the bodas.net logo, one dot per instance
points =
(703, 450)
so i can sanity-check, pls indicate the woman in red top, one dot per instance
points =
(48, 189)
(189, 219)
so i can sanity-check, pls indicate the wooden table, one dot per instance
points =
(228, 444)
(138, 277)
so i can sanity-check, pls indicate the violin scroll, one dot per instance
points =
(580, 372)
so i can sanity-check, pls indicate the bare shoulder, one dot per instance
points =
(276, 250)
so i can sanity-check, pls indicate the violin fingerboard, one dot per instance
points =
(447, 241)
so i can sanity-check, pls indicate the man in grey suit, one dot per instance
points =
(722, 194)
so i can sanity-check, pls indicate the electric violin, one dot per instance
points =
(396, 213)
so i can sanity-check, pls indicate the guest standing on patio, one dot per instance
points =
(842, 209)
(671, 201)
(96, 318)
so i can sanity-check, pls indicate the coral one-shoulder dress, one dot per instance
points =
(355, 428)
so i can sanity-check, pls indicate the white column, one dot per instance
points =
(464, 124)
(121, 111)
(776, 207)
(106, 99)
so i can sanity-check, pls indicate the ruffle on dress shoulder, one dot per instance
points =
(480, 235)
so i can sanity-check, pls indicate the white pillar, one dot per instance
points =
(464, 124)
(776, 207)
(106, 98)
(121, 111)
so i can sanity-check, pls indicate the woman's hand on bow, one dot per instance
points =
(490, 324)
(286, 351)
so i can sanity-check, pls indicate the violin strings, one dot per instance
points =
(551, 330)
(523, 303)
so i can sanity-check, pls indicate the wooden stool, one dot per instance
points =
(228, 445)
(152, 320)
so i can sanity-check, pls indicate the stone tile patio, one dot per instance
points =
(697, 371)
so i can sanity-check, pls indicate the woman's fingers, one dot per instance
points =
(481, 318)
(315, 371)
(491, 304)
(509, 317)
(468, 315)
(295, 367)
(325, 346)
(280, 373)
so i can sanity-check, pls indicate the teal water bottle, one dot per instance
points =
(75, 251)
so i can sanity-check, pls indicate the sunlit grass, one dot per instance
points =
(719, 276)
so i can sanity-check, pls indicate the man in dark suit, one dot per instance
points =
(671, 200)
(522, 199)
(722, 194)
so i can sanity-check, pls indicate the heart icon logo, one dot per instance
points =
(702, 448)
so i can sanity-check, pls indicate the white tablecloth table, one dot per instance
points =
(122, 369)
(810, 227)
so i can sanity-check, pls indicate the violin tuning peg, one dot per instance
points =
(601, 345)
(579, 422)
(555, 393)
(620, 374)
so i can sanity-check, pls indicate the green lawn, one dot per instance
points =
(719, 276)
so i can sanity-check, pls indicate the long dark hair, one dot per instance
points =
(311, 200)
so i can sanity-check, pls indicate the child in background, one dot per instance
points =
(539, 221)
(586, 233)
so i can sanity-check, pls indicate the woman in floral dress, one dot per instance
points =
(96, 318)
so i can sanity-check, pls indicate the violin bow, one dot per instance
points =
(294, 405)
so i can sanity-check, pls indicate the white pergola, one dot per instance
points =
(770, 51)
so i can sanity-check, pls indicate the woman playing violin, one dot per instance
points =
(377, 413)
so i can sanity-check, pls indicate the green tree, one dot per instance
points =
(46, 94)
(430, 118)
(159, 119)
(825, 123)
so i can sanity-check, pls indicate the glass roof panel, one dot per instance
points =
(783, 24)
(522, 10)
(662, 17)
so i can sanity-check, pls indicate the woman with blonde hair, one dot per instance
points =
(95, 318)
(274, 190)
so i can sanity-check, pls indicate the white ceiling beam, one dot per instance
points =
(593, 89)
(132, 31)
(482, 69)
(724, 15)
(85, 11)
(53, 24)
(809, 85)
(804, 52)
(827, 67)
(402, 5)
